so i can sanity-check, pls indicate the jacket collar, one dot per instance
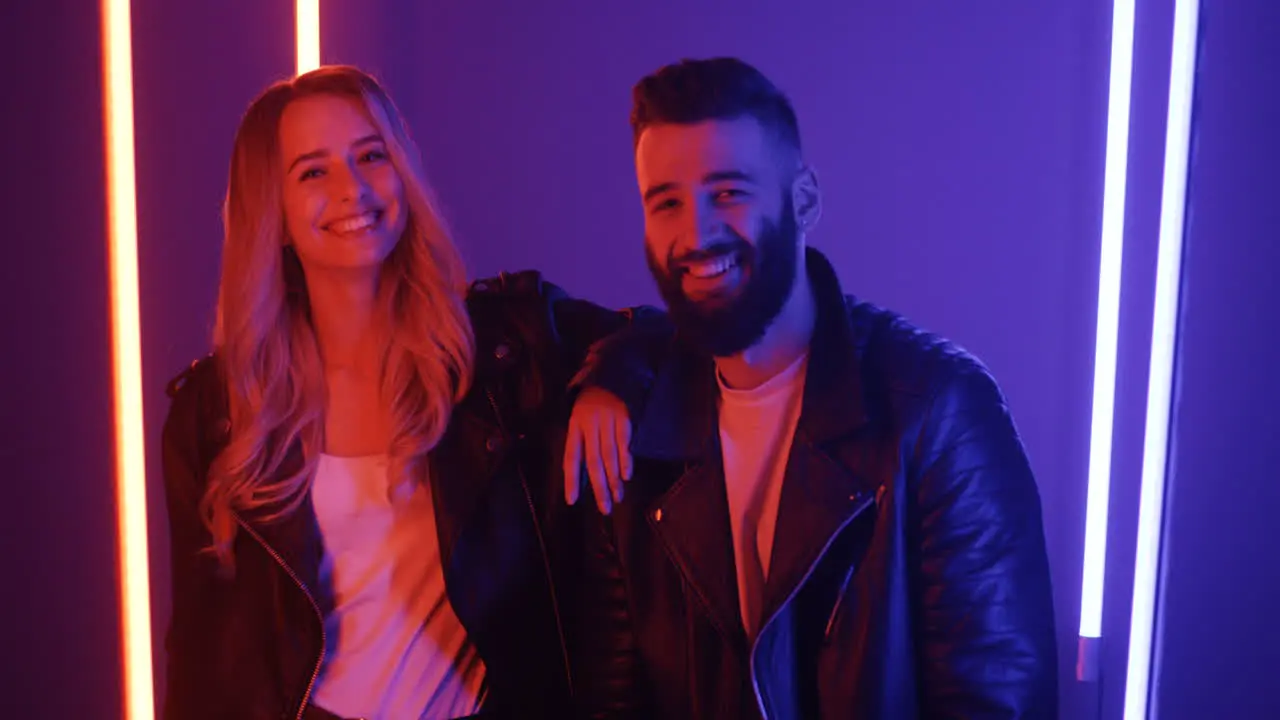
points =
(830, 480)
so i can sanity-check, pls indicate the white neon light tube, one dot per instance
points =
(1164, 330)
(1105, 343)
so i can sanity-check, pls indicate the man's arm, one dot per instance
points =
(985, 602)
(599, 343)
(612, 386)
(590, 356)
(578, 328)
(610, 353)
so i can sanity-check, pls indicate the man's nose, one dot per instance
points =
(705, 228)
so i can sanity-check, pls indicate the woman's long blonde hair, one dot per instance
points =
(264, 339)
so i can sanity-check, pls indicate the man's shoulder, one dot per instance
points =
(906, 355)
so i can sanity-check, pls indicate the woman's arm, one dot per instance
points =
(607, 670)
(191, 570)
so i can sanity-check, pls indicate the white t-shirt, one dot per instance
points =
(396, 649)
(756, 429)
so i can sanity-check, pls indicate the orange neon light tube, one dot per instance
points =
(306, 16)
(126, 356)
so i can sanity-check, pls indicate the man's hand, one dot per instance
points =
(599, 436)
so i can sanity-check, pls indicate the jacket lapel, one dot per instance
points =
(474, 440)
(478, 437)
(691, 518)
(295, 540)
(692, 522)
(828, 484)
(819, 499)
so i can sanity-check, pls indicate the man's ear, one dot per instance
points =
(806, 198)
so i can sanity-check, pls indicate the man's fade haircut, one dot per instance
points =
(723, 88)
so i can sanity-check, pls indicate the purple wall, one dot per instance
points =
(57, 534)
(1220, 651)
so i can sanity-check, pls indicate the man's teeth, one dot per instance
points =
(354, 224)
(711, 268)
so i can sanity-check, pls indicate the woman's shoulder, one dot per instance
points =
(197, 402)
(512, 306)
(509, 285)
(200, 373)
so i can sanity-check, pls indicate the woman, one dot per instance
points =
(364, 519)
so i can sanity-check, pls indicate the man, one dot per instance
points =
(832, 514)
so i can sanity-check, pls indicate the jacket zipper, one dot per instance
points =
(835, 609)
(315, 673)
(755, 681)
(542, 545)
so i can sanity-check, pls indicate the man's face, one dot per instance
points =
(720, 228)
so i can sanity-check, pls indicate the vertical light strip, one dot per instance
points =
(306, 15)
(1105, 343)
(1164, 328)
(126, 355)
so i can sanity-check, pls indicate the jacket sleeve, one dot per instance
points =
(605, 653)
(985, 599)
(601, 347)
(591, 590)
(191, 571)
(626, 362)
(613, 351)
(593, 343)
(580, 325)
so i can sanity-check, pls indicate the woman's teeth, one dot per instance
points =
(353, 224)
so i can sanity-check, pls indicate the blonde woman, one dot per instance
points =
(363, 517)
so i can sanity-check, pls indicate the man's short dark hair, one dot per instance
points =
(724, 88)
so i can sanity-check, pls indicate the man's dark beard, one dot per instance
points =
(770, 270)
